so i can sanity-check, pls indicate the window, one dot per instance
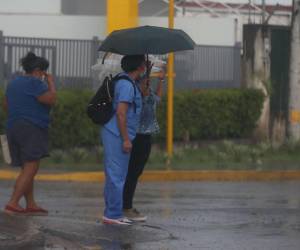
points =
(84, 7)
(98, 7)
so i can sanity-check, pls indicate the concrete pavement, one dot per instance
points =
(181, 215)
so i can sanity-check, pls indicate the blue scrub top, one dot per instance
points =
(124, 92)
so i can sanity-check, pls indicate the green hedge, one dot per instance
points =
(209, 114)
(214, 114)
(70, 125)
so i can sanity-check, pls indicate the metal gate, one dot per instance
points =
(13, 53)
(70, 60)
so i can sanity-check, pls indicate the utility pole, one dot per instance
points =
(170, 93)
(294, 98)
(121, 14)
(249, 11)
(263, 14)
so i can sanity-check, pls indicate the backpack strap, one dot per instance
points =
(125, 77)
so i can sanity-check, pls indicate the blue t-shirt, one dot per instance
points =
(21, 95)
(124, 92)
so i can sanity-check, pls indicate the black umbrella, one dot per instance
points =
(147, 40)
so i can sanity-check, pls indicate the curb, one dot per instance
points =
(199, 175)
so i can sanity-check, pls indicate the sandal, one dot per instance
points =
(36, 211)
(13, 210)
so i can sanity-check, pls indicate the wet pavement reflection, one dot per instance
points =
(181, 215)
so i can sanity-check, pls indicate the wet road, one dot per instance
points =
(189, 215)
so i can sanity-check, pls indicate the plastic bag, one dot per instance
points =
(5, 149)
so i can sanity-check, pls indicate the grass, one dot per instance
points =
(225, 155)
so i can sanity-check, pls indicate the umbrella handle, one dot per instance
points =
(104, 57)
(148, 69)
(148, 66)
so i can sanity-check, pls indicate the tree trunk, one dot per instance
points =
(294, 100)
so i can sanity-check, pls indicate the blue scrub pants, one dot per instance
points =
(116, 167)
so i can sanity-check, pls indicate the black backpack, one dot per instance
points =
(100, 108)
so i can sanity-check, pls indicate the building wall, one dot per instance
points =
(84, 7)
(30, 6)
(78, 19)
(98, 7)
(53, 26)
(205, 31)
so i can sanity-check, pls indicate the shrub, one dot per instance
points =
(78, 154)
(207, 114)
(70, 125)
(213, 114)
(57, 156)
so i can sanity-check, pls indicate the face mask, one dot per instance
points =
(142, 75)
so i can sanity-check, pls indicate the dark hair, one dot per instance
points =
(132, 62)
(31, 62)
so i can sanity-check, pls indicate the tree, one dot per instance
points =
(294, 100)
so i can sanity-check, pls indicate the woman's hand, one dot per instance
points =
(145, 86)
(48, 98)
(127, 146)
(161, 74)
(49, 78)
(50, 81)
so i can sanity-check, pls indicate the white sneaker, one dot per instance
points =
(121, 221)
(134, 215)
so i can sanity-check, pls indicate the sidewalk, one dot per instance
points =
(218, 175)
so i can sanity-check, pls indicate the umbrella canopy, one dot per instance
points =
(147, 40)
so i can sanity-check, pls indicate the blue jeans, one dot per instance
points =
(115, 167)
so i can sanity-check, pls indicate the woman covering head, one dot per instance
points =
(31, 62)
(28, 100)
(141, 145)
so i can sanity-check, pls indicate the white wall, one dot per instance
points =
(203, 30)
(286, 2)
(235, 23)
(52, 26)
(30, 6)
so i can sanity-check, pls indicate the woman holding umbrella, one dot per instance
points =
(144, 40)
(141, 145)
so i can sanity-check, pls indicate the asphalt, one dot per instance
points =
(181, 215)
